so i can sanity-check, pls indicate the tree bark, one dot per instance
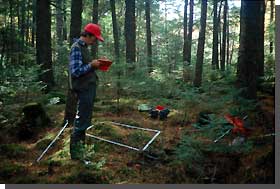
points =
(59, 21)
(115, 31)
(10, 44)
(148, 35)
(260, 25)
(3, 42)
(75, 29)
(228, 45)
(33, 22)
(231, 52)
(64, 32)
(138, 19)
(27, 31)
(219, 35)
(22, 25)
(43, 42)
(185, 32)
(223, 53)
(189, 41)
(130, 31)
(271, 20)
(95, 21)
(200, 48)
(249, 52)
(116, 47)
(76, 19)
(215, 51)
(187, 72)
(185, 44)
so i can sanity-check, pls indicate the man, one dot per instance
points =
(83, 82)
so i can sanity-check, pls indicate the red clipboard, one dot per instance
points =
(104, 64)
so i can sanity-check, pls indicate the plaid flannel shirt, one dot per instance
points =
(77, 68)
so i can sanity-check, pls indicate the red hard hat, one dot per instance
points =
(95, 30)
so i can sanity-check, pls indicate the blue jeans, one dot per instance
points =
(86, 99)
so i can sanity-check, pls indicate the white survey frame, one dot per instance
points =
(112, 142)
(124, 145)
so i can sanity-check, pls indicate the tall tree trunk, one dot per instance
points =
(17, 46)
(215, 50)
(189, 48)
(18, 7)
(27, 31)
(185, 32)
(185, 44)
(130, 31)
(228, 47)
(260, 60)
(59, 33)
(138, 32)
(200, 47)
(148, 35)
(231, 52)
(76, 19)
(115, 31)
(3, 42)
(249, 53)
(116, 47)
(43, 42)
(59, 21)
(75, 29)
(189, 41)
(22, 25)
(223, 58)
(34, 2)
(95, 21)
(64, 32)
(10, 45)
(271, 21)
(219, 35)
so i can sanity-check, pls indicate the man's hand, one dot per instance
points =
(95, 63)
(103, 57)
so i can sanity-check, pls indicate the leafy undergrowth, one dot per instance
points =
(184, 152)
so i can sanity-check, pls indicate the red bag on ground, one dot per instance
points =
(238, 124)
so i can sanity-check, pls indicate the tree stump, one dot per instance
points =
(34, 119)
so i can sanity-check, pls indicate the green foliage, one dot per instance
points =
(88, 151)
(269, 67)
(243, 148)
(126, 172)
(214, 124)
(194, 154)
(106, 130)
(59, 96)
(138, 137)
(9, 170)
(189, 153)
(13, 150)
(28, 179)
(20, 84)
(88, 177)
(120, 134)
(243, 106)
(60, 66)
(42, 144)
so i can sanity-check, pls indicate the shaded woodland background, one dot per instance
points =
(202, 59)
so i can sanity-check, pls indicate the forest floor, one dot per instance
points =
(119, 165)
